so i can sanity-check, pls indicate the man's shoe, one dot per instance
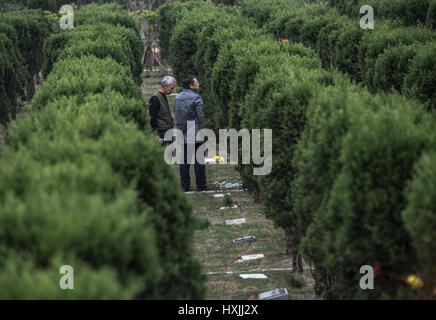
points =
(186, 189)
(203, 189)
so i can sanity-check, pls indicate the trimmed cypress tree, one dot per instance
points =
(420, 220)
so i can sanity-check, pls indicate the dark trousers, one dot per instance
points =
(162, 135)
(199, 169)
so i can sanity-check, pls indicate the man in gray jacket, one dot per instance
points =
(187, 107)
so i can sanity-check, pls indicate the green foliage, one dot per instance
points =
(103, 40)
(77, 207)
(431, 15)
(263, 52)
(190, 33)
(271, 102)
(343, 45)
(12, 73)
(317, 163)
(50, 5)
(111, 13)
(419, 217)
(342, 157)
(420, 82)
(218, 99)
(386, 36)
(169, 15)
(346, 46)
(211, 38)
(86, 75)
(227, 201)
(201, 223)
(409, 12)
(300, 23)
(327, 39)
(392, 66)
(31, 27)
(362, 222)
(261, 11)
(81, 185)
(132, 157)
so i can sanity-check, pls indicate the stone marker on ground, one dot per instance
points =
(216, 273)
(213, 191)
(224, 185)
(234, 207)
(220, 195)
(252, 257)
(277, 294)
(236, 221)
(249, 257)
(248, 239)
(253, 276)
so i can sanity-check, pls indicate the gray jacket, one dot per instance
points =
(187, 107)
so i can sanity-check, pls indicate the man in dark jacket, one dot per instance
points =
(160, 113)
(187, 107)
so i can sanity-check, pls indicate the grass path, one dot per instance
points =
(215, 249)
(213, 238)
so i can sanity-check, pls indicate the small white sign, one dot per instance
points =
(236, 221)
(253, 276)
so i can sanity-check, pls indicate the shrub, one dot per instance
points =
(383, 37)
(135, 158)
(169, 15)
(431, 15)
(420, 82)
(311, 29)
(392, 65)
(346, 48)
(264, 52)
(110, 13)
(102, 40)
(419, 217)
(76, 159)
(32, 27)
(217, 102)
(317, 164)
(287, 24)
(77, 210)
(209, 44)
(51, 5)
(86, 75)
(12, 75)
(21, 279)
(409, 12)
(201, 223)
(300, 23)
(326, 42)
(280, 105)
(261, 11)
(184, 41)
(363, 223)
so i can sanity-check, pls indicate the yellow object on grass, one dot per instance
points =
(414, 281)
